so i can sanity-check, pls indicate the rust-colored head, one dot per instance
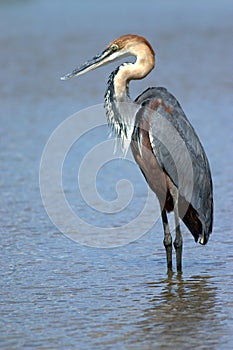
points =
(129, 42)
(125, 45)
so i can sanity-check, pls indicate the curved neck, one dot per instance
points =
(144, 64)
(120, 109)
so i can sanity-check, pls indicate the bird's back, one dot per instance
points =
(181, 156)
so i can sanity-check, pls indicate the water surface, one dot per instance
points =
(56, 293)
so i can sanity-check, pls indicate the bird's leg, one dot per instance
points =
(178, 238)
(167, 240)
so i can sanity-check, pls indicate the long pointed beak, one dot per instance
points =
(94, 63)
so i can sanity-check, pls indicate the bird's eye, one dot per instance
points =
(114, 47)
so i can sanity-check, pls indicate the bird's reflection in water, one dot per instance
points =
(179, 310)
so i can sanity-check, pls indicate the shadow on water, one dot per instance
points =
(175, 312)
(179, 309)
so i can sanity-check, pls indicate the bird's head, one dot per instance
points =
(126, 45)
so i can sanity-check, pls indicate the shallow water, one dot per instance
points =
(57, 293)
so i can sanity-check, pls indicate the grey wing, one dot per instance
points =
(179, 152)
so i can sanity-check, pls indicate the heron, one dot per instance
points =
(136, 124)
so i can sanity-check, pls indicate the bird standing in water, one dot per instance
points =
(162, 140)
